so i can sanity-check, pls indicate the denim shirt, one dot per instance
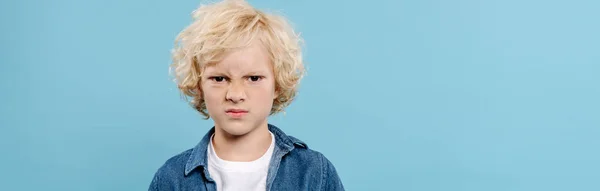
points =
(293, 166)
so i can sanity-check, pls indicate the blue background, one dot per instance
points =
(400, 95)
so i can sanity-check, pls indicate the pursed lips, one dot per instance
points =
(236, 113)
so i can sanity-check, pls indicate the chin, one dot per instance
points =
(236, 128)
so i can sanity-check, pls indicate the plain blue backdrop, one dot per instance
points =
(425, 95)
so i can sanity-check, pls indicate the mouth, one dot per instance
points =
(236, 113)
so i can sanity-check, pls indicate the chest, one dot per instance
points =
(250, 180)
(284, 179)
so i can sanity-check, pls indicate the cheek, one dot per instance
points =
(211, 96)
(266, 93)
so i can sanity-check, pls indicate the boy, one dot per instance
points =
(240, 65)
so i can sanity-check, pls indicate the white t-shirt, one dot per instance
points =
(234, 176)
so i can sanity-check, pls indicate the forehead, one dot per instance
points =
(253, 58)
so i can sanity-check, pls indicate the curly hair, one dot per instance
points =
(220, 27)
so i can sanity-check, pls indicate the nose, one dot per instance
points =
(235, 93)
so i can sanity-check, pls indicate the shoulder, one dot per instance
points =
(308, 157)
(171, 172)
(303, 161)
(302, 152)
(175, 164)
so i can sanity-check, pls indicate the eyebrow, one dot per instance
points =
(213, 73)
(255, 73)
(218, 73)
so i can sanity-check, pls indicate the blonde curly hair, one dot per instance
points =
(220, 27)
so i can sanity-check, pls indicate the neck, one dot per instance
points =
(242, 148)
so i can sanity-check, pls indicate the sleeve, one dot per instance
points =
(154, 183)
(331, 179)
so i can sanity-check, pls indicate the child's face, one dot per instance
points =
(240, 89)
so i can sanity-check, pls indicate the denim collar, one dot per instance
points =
(283, 144)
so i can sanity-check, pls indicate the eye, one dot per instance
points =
(255, 78)
(217, 78)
